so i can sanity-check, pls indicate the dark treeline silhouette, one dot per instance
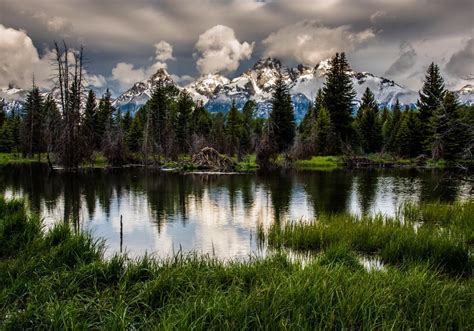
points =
(171, 124)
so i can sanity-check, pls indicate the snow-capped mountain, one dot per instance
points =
(217, 92)
(303, 81)
(466, 95)
(13, 98)
(141, 92)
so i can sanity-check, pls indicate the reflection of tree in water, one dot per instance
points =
(366, 186)
(328, 191)
(169, 195)
(280, 188)
(438, 186)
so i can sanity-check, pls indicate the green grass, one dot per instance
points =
(397, 241)
(60, 280)
(248, 164)
(327, 163)
(17, 158)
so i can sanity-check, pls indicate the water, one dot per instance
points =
(164, 213)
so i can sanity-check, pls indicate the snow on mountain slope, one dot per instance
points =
(466, 95)
(257, 84)
(217, 92)
(141, 92)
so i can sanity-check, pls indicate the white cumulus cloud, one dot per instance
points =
(220, 51)
(126, 74)
(309, 41)
(163, 51)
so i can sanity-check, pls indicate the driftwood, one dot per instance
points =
(210, 159)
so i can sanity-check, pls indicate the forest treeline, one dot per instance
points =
(171, 124)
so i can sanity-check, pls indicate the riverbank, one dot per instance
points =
(248, 163)
(59, 279)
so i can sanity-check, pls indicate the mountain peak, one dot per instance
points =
(163, 75)
(269, 62)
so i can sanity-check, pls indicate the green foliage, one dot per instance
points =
(368, 124)
(233, 130)
(32, 131)
(281, 120)
(409, 136)
(395, 240)
(431, 97)
(338, 95)
(59, 280)
(184, 125)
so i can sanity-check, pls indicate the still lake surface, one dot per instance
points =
(164, 213)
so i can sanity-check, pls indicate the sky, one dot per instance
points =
(127, 41)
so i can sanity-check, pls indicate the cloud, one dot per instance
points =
(126, 74)
(461, 63)
(18, 56)
(163, 51)
(182, 80)
(220, 51)
(309, 41)
(405, 61)
(97, 81)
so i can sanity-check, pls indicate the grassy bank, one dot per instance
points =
(438, 235)
(248, 163)
(59, 279)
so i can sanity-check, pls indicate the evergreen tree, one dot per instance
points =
(324, 133)
(201, 122)
(431, 97)
(154, 135)
(134, 136)
(392, 127)
(281, 120)
(103, 117)
(90, 126)
(3, 114)
(338, 95)
(233, 129)
(32, 129)
(126, 121)
(447, 134)
(218, 133)
(52, 123)
(408, 139)
(247, 126)
(368, 123)
(183, 125)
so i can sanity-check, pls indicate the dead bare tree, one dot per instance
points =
(71, 149)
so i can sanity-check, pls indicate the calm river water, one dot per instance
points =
(164, 213)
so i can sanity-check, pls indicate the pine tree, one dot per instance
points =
(325, 139)
(218, 132)
(52, 123)
(32, 129)
(282, 120)
(247, 126)
(154, 135)
(448, 136)
(392, 127)
(368, 123)
(103, 117)
(408, 139)
(90, 125)
(3, 114)
(183, 125)
(233, 128)
(134, 136)
(431, 97)
(201, 122)
(338, 94)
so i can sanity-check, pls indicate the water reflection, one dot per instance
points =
(216, 214)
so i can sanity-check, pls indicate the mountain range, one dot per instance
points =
(217, 92)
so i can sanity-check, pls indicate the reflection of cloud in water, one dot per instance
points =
(211, 214)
